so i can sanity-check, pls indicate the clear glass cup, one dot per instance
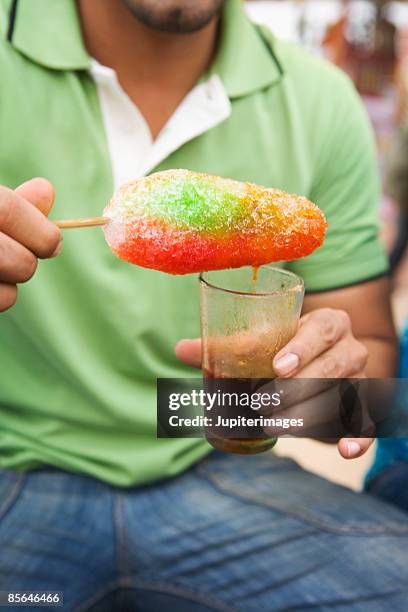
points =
(247, 316)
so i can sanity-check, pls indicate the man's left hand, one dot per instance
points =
(323, 347)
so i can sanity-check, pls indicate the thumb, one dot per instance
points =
(352, 448)
(39, 192)
(189, 352)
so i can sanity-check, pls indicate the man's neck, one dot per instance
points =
(155, 69)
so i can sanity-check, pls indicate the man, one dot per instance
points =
(91, 503)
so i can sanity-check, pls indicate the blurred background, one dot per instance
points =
(368, 39)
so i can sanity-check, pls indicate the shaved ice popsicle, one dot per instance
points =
(183, 222)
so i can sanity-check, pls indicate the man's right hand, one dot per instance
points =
(25, 235)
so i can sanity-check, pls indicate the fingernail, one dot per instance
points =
(57, 250)
(287, 363)
(353, 449)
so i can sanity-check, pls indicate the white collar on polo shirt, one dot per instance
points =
(132, 149)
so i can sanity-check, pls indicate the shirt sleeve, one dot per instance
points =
(346, 188)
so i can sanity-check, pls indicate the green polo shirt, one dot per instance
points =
(81, 350)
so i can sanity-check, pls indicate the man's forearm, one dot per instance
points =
(382, 357)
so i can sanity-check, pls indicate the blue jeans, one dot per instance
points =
(231, 534)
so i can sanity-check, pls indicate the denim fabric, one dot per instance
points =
(231, 534)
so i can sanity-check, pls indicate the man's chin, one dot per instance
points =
(175, 16)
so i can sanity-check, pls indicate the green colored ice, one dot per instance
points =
(187, 200)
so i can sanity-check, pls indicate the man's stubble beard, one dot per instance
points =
(175, 16)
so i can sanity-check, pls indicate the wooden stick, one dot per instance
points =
(74, 223)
